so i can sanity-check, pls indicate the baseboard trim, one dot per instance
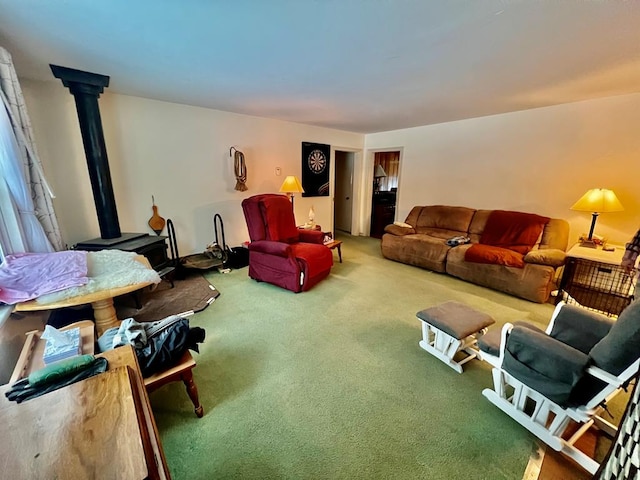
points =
(532, 472)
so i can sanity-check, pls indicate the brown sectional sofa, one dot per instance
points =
(422, 242)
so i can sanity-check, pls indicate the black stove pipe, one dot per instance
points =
(86, 88)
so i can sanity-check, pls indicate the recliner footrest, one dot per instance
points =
(452, 327)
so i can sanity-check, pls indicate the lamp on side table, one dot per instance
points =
(596, 200)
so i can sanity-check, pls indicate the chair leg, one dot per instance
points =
(192, 391)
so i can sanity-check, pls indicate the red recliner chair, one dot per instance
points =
(279, 252)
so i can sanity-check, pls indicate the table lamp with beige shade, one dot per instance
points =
(596, 201)
(291, 186)
(378, 173)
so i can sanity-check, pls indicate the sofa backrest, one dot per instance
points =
(445, 222)
(440, 221)
(476, 227)
(555, 234)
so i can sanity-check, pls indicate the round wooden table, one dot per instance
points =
(102, 302)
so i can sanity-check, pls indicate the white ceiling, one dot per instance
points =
(357, 65)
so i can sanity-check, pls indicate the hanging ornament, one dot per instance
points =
(156, 222)
(240, 169)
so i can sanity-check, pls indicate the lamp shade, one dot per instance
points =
(379, 172)
(291, 184)
(598, 200)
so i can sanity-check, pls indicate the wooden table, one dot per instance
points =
(102, 302)
(335, 244)
(101, 427)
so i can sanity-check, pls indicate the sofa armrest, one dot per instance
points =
(311, 236)
(269, 247)
(543, 363)
(399, 230)
(552, 257)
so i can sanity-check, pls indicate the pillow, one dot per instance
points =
(479, 253)
(550, 256)
(516, 231)
(402, 224)
(398, 230)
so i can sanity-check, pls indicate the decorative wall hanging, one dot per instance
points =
(156, 222)
(315, 169)
(240, 169)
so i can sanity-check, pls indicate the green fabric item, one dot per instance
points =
(55, 371)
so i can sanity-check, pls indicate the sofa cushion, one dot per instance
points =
(513, 230)
(533, 282)
(451, 219)
(476, 227)
(480, 253)
(555, 234)
(412, 218)
(394, 229)
(547, 256)
(315, 258)
(419, 250)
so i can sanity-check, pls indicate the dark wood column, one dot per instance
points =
(86, 88)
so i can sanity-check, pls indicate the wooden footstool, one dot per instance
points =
(452, 327)
(180, 371)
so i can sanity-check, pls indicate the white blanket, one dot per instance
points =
(107, 269)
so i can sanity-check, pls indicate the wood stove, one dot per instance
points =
(86, 88)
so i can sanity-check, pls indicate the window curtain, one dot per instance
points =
(390, 162)
(27, 219)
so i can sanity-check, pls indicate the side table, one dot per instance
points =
(335, 244)
(594, 279)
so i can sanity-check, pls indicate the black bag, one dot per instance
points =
(165, 347)
(238, 257)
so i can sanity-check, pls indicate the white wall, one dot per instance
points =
(539, 161)
(177, 153)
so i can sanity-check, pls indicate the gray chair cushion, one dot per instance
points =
(455, 319)
(621, 346)
(580, 328)
(543, 363)
(490, 341)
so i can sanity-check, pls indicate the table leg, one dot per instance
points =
(105, 314)
(192, 391)
(340, 252)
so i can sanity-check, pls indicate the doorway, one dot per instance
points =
(386, 168)
(343, 197)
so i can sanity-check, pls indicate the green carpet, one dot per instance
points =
(331, 383)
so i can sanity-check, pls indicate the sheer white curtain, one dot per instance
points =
(21, 231)
(27, 219)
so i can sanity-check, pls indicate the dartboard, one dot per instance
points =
(317, 161)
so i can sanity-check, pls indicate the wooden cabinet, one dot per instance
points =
(383, 212)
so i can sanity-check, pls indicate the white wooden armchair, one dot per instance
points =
(548, 380)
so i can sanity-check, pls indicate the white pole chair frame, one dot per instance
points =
(549, 421)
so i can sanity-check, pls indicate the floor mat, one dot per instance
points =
(193, 292)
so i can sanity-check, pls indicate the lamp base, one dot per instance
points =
(585, 242)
